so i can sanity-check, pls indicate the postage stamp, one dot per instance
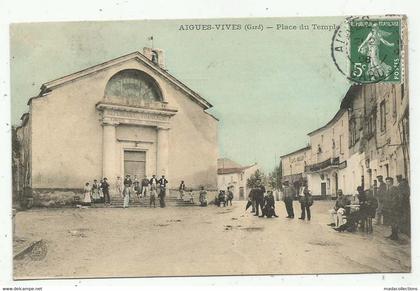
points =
(375, 53)
(369, 50)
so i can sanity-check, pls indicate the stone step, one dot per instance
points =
(118, 202)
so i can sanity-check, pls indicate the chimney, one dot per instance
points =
(156, 55)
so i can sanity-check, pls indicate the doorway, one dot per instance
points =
(323, 189)
(135, 163)
(241, 193)
(335, 175)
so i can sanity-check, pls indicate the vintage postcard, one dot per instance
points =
(244, 146)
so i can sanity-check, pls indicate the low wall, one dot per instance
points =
(55, 197)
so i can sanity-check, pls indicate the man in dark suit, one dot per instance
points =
(404, 190)
(288, 196)
(252, 200)
(380, 195)
(105, 191)
(127, 190)
(392, 207)
(258, 196)
(269, 205)
(162, 185)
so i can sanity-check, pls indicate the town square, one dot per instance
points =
(108, 242)
(152, 158)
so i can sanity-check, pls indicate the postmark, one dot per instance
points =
(368, 50)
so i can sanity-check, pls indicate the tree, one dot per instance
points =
(257, 175)
(274, 177)
(16, 164)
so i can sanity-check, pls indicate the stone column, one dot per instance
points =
(162, 151)
(108, 150)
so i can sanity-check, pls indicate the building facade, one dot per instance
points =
(293, 167)
(124, 116)
(369, 136)
(328, 155)
(232, 175)
(378, 132)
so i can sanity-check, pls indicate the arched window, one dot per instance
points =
(133, 84)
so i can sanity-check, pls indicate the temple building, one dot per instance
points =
(128, 115)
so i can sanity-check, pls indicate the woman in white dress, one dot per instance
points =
(86, 195)
(126, 194)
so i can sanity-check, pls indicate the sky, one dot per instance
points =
(269, 88)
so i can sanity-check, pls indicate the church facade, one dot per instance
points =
(124, 116)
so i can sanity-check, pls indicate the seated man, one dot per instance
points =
(339, 209)
(355, 213)
(221, 198)
(269, 206)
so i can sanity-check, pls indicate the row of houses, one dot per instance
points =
(367, 137)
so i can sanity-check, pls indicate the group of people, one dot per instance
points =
(98, 192)
(224, 197)
(188, 196)
(305, 199)
(152, 187)
(389, 204)
(263, 200)
(128, 188)
(259, 198)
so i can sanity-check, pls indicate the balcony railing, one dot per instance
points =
(322, 165)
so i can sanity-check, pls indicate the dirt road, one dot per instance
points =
(136, 242)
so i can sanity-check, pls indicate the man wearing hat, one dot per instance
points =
(288, 195)
(404, 190)
(105, 190)
(380, 196)
(162, 193)
(127, 190)
(339, 209)
(258, 196)
(392, 207)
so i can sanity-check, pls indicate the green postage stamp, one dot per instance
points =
(375, 52)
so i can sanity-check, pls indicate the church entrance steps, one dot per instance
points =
(171, 201)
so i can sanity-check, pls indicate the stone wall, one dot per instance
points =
(55, 197)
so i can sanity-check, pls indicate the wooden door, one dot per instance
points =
(135, 164)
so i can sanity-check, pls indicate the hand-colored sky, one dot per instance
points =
(269, 88)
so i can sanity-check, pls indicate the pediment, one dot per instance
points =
(137, 56)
